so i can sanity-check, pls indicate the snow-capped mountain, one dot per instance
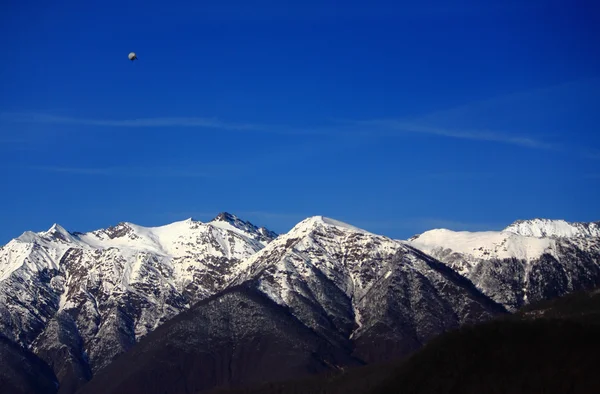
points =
(78, 300)
(554, 228)
(362, 290)
(326, 295)
(526, 262)
(237, 337)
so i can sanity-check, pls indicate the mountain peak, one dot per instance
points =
(122, 229)
(322, 221)
(57, 232)
(540, 228)
(56, 227)
(225, 217)
(228, 219)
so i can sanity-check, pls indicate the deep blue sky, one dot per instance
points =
(394, 116)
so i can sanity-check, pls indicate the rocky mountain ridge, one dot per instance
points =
(554, 228)
(527, 262)
(79, 300)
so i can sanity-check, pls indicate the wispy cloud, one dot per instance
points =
(553, 96)
(459, 176)
(176, 122)
(593, 154)
(167, 172)
(297, 153)
(32, 117)
(386, 126)
(457, 122)
(356, 128)
(13, 141)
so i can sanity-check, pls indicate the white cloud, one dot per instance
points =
(168, 172)
(180, 122)
(31, 117)
(387, 126)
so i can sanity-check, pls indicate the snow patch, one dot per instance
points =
(554, 228)
(484, 245)
(337, 223)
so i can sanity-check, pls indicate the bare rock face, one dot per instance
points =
(80, 300)
(324, 297)
(528, 262)
(368, 293)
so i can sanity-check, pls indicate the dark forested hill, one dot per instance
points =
(550, 347)
(22, 372)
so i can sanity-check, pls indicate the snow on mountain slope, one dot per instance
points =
(79, 300)
(198, 253)
(354, 287)
(108, 288)
(331, 243)
(554, 228)
(485, 245)
(34, 251)
(529, 261)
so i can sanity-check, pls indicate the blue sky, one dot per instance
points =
(394, 116)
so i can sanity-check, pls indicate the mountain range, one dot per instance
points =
(546, 347)
(191, 306)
